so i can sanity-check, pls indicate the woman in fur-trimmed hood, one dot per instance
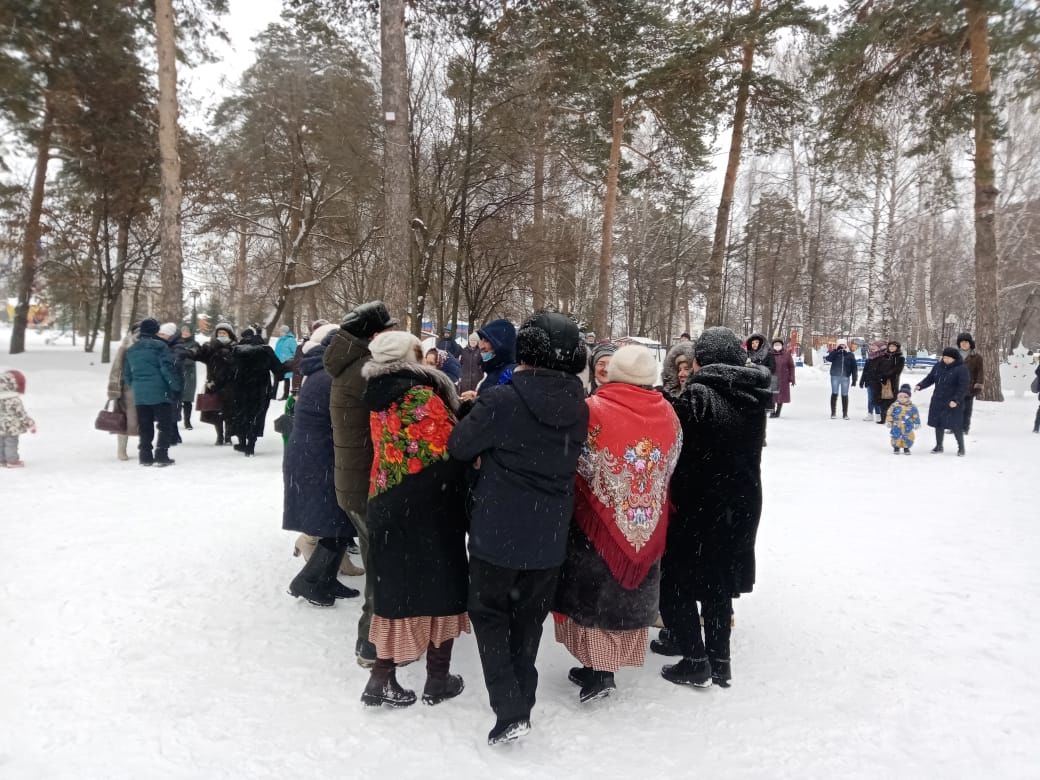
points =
(610, 583)
(416, 522)
(673, 374)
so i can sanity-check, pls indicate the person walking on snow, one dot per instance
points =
(973, 362)
(610, 583)
(946, 409)
(716, 493)
(149, 370)
(903, 419)
(188, 374)
(122, 394)
(344, 359)
(285, 351)
(471, 365)
(783, 376)
(416, 523)
(843, 374)
(13, 418)
(216, 354)
(254, 375)
(870, 380)
(889, 370)
(525, 438)
(168, 332)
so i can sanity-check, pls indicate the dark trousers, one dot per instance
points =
(148, 418)
(360, 523)
(186, 410)
(680, 614)
(968, 404)
(507, 608)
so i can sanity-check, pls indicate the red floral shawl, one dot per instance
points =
(623, 474)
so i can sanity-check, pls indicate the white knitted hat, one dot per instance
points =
(394, 345)
(168, 329)
(318, 336)
(633, 364)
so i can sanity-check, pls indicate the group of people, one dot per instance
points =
(484, 508)
(153, 382)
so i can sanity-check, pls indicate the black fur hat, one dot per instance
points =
(951, 352)
(551, 340)
(965, 337)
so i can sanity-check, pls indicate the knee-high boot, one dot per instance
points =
(959, 436)
(440, 685)
(1036, 422)
(834, 404)
(939, 434)
(844, 407)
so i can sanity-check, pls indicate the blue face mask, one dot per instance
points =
(487, 356)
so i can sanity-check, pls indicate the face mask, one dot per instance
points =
(486, 356)
(224, 339)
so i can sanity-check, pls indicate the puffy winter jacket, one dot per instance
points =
(150, 371)
(843, 363)
(502, 336)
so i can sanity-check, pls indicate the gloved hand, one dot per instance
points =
(368, 319)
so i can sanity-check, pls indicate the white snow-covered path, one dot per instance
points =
(145, 630)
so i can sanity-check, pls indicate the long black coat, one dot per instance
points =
(417, 527)
(717, 485)
(528, 436)
(309, 465)
(217, 358)
(952, 383)
(591, 596)
(254, 369)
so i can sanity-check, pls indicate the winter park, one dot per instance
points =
(549, 388)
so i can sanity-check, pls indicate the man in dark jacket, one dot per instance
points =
(973, 362)
(149, 370)
(952, 382)
(526, 437)
(844, 371)
(498, 354)
(449, 344)
(344, 358)
(716, 491)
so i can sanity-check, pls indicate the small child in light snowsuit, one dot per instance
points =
(903, 420)
(13, 419)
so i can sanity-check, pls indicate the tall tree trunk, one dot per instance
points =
(397, 181)
(463, 238)
(601, 311)
(238, 293)
(30, 242)
(716, 263)
(170, 269)
(1030, 306)
(537, 249)
(873, 290)
(115, 292)
(986, 328)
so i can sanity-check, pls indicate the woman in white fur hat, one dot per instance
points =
(610, 583)
(417, 560)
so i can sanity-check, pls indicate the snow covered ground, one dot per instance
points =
(145, 630)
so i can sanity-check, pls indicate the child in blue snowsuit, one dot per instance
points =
(903, 420)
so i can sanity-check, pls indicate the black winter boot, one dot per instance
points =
(186, 408)
(689, 671)
(509, 731)
(383, 687)
(721, 673)
(1036, 422)
(440, 685)
(162, 458)
(844, 407)
(665, 644)
(598, 686)
(144, 457)
(220, 433)
(580, 675)
(776, 411)
(959, 436)
(316, 578)
(938, 448)
(834, 405)
(341, 591)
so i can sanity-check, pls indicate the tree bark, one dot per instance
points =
(170, 267)
(397, 182)
(30, 242)
(716, 263)
(986, 332)
(601, 311)
(537, 249)
(238, 292)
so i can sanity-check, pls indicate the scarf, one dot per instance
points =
(623, 474)
(877, 349)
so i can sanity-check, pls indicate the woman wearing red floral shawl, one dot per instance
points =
(610, 583)
(417, 560)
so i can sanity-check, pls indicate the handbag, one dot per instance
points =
(110, 420)
(208, 402)
(886, 391)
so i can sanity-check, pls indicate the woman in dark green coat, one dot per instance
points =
(190, 381)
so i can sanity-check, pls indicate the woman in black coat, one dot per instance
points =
(255, 372)
(308, 469)
(952, 382)
(889, 371)
(716, 492)
(216, 354)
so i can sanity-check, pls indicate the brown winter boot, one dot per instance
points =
(440, 686)
(383, 687)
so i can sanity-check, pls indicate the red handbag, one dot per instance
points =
(208, 402)
(110, 421)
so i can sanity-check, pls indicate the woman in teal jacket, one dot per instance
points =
(285, 350)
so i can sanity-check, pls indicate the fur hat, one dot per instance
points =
(473, 339)
(633, 364)
(842, 343)
(551, 340)
(952, 352)
(149, 327)
(966, 337)
(719, 345)
(391, 346)
(168, 329)
(318, 335)
(247, 333)
(226, 327)
(19, 380)
(904, 390)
